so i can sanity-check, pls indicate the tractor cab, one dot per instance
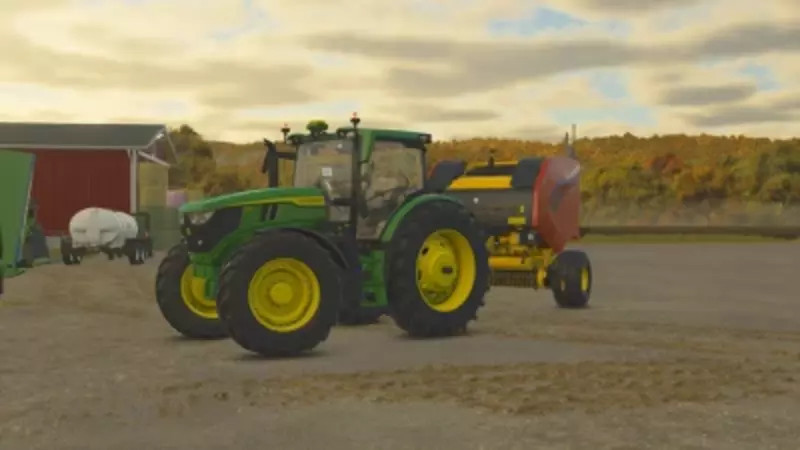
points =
(364, 174)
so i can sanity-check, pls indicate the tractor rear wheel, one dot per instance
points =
(182, 299)
(438, 270)
(570, 279)
(280, 294)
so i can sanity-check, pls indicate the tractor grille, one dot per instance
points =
(203, 238)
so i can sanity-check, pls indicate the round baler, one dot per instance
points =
(529, 210)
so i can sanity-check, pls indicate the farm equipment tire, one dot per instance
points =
(137, 253)
(279, 295)
(438, 270)
(570, 279)
(351, 313)
(181, 298)
(71, 258)
(68, 254)
(359, 316)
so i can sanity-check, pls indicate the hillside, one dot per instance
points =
(671, 179)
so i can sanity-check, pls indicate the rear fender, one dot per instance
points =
(397, 217)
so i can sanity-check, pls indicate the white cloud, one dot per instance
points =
(226, 67)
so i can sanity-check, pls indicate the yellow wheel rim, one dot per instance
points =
(446, 270)
(193, 292)
(585, 280)
(284, 295)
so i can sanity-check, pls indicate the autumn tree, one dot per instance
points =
(195, 158)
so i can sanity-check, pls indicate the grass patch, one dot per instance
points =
(679, 238)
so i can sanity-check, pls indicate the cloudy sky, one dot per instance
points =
(236, 69)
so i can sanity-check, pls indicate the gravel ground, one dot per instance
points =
(685, 346)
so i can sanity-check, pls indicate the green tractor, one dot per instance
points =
(356, 236)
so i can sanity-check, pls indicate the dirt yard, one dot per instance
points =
(685, 346)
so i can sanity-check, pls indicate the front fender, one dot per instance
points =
(320, 238)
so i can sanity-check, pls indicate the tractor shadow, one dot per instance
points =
(183, 340)
(402, 336)
(254, 357)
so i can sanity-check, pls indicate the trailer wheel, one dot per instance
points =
(136, 253)
(71, 258)
(69, 255)
(570, 279)
(188, 311)
(438, 270)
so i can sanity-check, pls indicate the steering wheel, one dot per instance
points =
(336, 199)
(395, 193)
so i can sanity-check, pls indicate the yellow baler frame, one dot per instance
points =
(511, 262)
(516, 264)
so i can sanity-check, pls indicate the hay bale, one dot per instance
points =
(194, 195)
(152, 197)
(153, 183)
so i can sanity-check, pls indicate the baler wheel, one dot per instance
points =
(570, 279)
(182, 300)
(280, 294)
(438, 270)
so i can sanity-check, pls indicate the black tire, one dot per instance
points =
(359, 316)
(351, 313)
(564, 278)
(171, 303)
(136, 254)
(406, 304)
(75, 257)
(70, 257)
(238, 317)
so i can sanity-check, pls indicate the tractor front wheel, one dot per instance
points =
(570, 279)
(280, 294)
(182, 299)
(438, 270)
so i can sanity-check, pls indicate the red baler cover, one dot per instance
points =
(557, 201)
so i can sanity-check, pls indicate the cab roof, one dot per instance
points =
(375, 133)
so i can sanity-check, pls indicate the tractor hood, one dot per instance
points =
(267, 195)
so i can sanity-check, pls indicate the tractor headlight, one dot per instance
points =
(199, 218)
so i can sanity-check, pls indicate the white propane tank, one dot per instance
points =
(100, 227)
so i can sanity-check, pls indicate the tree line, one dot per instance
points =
(669, 179)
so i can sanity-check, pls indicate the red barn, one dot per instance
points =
(83, 165)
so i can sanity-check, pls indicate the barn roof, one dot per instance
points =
(79, 136)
